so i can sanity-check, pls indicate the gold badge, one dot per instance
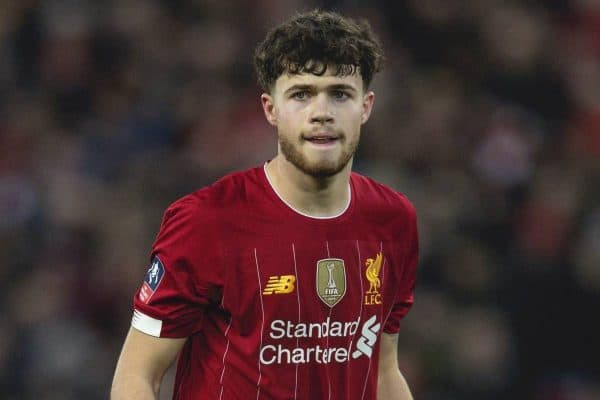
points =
(372, 296)
(331, 280)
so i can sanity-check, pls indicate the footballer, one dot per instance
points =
(288, 280)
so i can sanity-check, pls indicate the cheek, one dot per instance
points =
(290, 117)
(351, 118)
(350, 109)
(293, 111)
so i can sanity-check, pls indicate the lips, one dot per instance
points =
(323, 138)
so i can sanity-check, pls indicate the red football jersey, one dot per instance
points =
(277, 304)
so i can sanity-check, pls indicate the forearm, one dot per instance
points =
(393, 386)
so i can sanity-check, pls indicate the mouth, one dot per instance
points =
(322, 140)
(325, 138)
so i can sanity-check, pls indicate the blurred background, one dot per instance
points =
(487, 116)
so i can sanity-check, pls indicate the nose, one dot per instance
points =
(322, 111)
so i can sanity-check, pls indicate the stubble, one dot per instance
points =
(323, 169)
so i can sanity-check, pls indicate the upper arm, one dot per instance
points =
(407, 255)
(391, 384)
(181, 281)
(388, 353)
(145, 359)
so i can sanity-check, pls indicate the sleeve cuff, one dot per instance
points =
(146, 324)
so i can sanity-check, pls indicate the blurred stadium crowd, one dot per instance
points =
(487, 116)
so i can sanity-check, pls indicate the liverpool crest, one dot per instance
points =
(331, 280)
(372, 296)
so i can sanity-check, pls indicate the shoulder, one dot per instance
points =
(210, 201)
(380, 198)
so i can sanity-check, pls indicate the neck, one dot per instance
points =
(317, 197)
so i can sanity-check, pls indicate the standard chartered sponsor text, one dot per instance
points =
(280, 330)
(271, 354)
(287, 329)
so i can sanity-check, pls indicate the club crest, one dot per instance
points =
(331, 280)
(372, 272)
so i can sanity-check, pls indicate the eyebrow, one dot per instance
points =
(313, 88)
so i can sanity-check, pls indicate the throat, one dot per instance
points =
(307, 195)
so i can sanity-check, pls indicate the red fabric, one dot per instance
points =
(222, 244)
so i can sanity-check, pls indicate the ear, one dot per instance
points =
(268, 106)
(367, 106)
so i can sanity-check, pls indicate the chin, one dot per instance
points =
(322, 169)
(315, 164)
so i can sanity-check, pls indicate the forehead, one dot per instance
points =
(329, 78)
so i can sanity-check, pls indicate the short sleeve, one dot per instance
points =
(405, 296)
(173, 296)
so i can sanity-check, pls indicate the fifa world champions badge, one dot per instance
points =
(331, 280)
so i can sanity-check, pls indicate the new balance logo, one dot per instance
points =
(280, 284)
(368, 338)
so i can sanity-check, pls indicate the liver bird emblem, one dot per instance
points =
(373, 270)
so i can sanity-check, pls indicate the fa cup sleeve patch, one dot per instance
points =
(152, 280)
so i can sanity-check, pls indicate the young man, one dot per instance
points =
(286, 281)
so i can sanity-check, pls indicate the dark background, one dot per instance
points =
(487, 116)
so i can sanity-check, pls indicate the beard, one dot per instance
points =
(322, 169)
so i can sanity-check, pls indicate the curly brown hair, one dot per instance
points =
(313, 41)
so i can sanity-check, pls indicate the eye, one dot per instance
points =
(340, 95)
(300, 95)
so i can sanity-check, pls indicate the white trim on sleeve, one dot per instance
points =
(146, 324)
